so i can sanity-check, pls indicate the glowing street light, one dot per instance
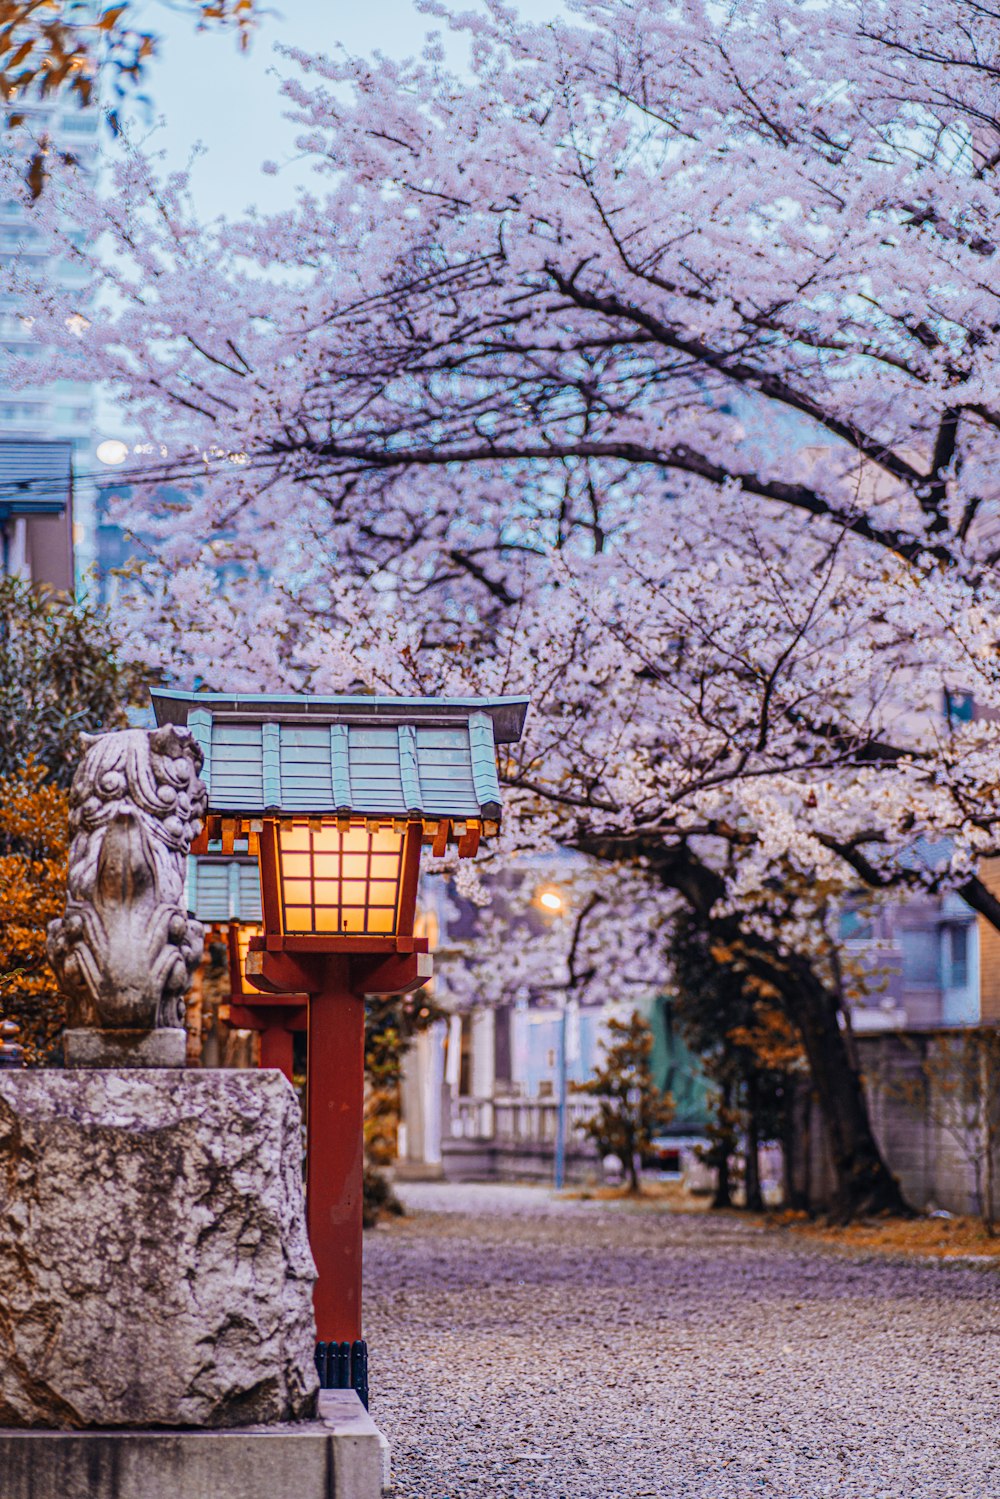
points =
(552, 901)
(112, 452)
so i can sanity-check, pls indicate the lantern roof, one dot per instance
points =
(223, 888)
(371, 756)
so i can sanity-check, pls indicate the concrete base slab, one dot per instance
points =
(340, 1455)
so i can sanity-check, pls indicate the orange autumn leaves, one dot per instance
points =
(34, 842)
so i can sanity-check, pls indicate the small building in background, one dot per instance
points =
(917, 963)
(36, 511)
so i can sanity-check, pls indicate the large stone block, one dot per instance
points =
(154, 1265)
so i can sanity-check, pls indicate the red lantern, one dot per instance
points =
(336, 796)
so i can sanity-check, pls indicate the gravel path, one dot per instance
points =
(523, 1346)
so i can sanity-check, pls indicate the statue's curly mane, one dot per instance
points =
(125, 950)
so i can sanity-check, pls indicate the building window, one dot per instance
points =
(956, 956)
(921, 957)
(958, 707)
(854, 927)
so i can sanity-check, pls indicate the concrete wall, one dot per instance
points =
(934, 1102)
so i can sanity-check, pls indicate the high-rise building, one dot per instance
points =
(59, 409)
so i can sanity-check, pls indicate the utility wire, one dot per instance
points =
(148, 474)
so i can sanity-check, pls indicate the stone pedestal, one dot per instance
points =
(154, 1266)
(164, 1047)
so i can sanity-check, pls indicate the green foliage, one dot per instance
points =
(632, 1108)
(391, 1022)
(748, 1047)
(58, 677)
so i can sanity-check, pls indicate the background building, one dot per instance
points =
(36, 511)
(60, 410)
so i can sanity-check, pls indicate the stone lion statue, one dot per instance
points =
(126, 948)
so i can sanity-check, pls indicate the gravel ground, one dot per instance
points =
(584, 1350)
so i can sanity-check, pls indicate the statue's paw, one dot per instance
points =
(177, 929)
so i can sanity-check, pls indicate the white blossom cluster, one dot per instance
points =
(648, 368)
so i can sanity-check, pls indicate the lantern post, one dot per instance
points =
(336, 796)
(224, 891)
(275, 1017)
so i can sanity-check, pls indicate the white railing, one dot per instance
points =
(517, 1121)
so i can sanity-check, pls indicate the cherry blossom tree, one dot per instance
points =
(642, 360)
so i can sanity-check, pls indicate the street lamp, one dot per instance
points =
(336, 796)
(552, 901)
(341, 880)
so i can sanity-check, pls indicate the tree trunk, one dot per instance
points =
(723, 1186)
(792, 1135)
(865, 1186)
(630, 1160)
(754, 1196)
(723, 1191)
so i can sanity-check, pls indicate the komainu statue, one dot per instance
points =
(126, 948)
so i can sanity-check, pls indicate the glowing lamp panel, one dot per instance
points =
(244, 932)
(340, 882)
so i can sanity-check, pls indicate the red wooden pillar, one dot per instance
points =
(335, 1157)
(335, 1102)
(277, 1048)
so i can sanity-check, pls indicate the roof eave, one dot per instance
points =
(507, 713)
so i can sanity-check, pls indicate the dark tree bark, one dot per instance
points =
(632, 1166)
(864, 1184)
(723, 1197)
(754, 1196)
(795, 1143)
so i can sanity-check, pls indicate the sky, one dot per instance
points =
(206, 91)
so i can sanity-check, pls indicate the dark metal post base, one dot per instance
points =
(344, 1366)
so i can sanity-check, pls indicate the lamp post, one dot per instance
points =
(552, 901)
(275, 1017)
(336, 796)
(560, 1161)
(224, 890)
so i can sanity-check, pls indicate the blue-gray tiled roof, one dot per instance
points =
(36, 476)
(223, 889)
(366, 755)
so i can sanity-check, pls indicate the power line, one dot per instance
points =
(148, 474)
